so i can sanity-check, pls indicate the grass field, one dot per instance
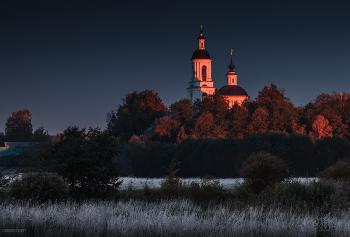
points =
(167, 218)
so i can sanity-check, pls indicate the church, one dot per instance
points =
(202, 85)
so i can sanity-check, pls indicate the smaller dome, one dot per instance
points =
(231, 67)
(233, 90)
(200, 54)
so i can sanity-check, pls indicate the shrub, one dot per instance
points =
(171, 186)
(339, 172)
(208, 190)
(40, 187)
(261, 170)
(304, 197)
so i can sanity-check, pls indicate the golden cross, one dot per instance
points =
(231, 52)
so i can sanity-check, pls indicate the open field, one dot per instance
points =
(167, 218)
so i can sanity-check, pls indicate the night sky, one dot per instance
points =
(71, 63)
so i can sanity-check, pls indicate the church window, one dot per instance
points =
(204, 73)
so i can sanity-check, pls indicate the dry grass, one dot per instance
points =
(166, 218)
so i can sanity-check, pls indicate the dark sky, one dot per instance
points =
(71, 63)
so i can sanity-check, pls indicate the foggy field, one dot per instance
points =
(167, 218)
(154, 183)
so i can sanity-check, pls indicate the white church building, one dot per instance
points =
(202, 85)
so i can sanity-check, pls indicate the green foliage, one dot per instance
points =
(85, 160)
(261, 170)
(40, 187)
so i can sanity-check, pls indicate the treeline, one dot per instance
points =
(224, 157)
(143, 116)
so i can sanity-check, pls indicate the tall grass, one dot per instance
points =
(167, 218)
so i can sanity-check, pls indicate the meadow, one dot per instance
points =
(176, 216)
(166, 218)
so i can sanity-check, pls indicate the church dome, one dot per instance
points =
(200, 54)
(232, 90)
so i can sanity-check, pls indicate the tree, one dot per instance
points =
(84, 159)
(259, 122)
(239, 120)
(321, 128)
(281, 110)
(138, 111)
(183, 113)
(206, 128)
(216, 105)
(166, 128)
(261, 170)
(40, 135)
(18, 127)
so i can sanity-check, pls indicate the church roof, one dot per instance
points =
(200, 54)
(233, 90)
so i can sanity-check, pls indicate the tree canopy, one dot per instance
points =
(18, 127)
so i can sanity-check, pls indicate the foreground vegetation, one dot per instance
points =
(167, 218)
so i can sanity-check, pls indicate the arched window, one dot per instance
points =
(204, 73)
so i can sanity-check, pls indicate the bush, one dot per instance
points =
(338, 172)
(171, 186)
(40, 187)
(261, 170)
(208, 190)
(304, 197)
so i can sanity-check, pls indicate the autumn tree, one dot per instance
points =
(218, 107)
(205, 127)
(18, 127)
(259, 122)
(282, 113)
(238, 121)
(166, 128)
(138, 111)
(321, 128)
(183, 113)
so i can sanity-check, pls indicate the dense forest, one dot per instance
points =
(144, 115)
(209, 138)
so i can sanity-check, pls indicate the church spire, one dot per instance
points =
(231, 75)
(201, 40)
(231, 66)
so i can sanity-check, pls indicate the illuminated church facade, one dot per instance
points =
(202, 85)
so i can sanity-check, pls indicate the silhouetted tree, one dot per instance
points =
(18, 127)
(138, 111)
(85, 160)
(40, 135)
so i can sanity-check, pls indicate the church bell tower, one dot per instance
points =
(201, 84)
